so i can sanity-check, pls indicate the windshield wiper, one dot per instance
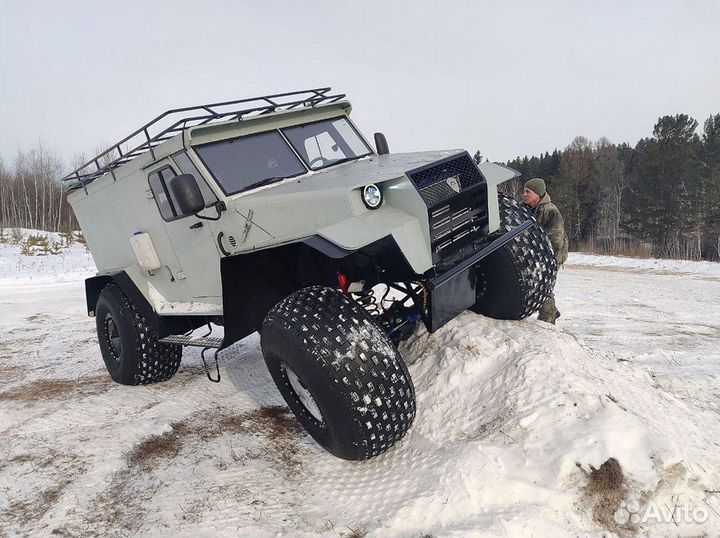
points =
(333, 162)
(265, 181)
(344, 160)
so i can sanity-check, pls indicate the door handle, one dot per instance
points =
(220, 245)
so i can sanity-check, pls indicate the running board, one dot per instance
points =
(197, 341)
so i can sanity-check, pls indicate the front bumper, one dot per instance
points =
(455, 290)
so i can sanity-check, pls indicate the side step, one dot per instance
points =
(198, 341)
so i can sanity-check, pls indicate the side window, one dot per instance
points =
(186, 166)
(160, 186)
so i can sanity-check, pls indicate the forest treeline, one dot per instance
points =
(30, 192)
(659, 198)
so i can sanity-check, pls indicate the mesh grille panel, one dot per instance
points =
(456, 195)
(435, 181)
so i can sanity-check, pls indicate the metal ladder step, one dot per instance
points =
(198, 341)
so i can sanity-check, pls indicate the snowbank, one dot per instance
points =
(73, 264)
(512, 417)
(648, 264)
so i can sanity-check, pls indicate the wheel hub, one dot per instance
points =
(113, 337)
(302, 393)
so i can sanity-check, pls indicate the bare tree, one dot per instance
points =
(31, 196)
(610, 180)
(574, 185)
(5, 196)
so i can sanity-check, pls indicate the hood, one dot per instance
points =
(300, 207)
(353, 174)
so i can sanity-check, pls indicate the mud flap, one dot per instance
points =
(454, 291)
(450, 297)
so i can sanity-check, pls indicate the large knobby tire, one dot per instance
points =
(338, 372)
(129, 344)
(515, 280)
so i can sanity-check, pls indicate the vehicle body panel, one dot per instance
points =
(325, 204)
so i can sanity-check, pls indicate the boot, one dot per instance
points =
(548, 313)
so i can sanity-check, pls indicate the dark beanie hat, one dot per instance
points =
(537, 185)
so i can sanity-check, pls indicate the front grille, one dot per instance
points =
(455, 193)
(455, 225)
(432, 180)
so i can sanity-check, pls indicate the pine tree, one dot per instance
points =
(711, 167)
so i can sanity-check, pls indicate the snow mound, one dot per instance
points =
(512, 417)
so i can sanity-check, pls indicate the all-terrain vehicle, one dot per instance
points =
(275, 214)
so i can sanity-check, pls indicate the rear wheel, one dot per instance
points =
(129, 344)
(338, 372)
(515, 280)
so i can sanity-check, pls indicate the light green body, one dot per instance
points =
(327, 203)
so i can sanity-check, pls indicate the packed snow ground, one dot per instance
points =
(512, 419)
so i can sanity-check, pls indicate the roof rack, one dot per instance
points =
(178, 120)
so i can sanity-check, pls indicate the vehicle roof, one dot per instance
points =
(157, 136)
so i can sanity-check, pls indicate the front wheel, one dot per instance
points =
(338, 372)
(515, 280)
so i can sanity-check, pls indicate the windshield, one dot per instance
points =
(250, 161)
(325, 143)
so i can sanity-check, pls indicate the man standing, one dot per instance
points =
(548, 216)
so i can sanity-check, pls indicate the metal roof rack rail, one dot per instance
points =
(177, 120)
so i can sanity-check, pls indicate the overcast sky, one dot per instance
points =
(509, 78)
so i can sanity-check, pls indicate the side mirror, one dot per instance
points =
(381, 144)
(187, 194)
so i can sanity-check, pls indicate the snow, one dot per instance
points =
(646, 264)
(511, 418)
(163, 306)
(72, 265)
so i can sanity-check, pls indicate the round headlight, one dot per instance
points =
(372, 196)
